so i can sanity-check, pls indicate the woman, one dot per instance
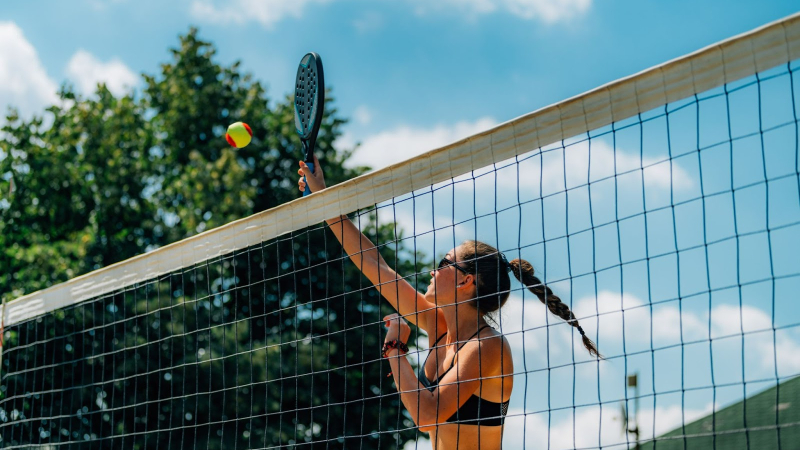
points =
(461, 395)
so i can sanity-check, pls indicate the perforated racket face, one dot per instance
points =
(309, 95)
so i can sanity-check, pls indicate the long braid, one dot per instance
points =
(523, 271)
(493, 284)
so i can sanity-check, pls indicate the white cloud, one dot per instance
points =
(369, 21)
(269, 12)
(760, 348)
(665, 321)
(582, 164)
(363, 115)
(548, 11)
(579, 164)
(591, 428)
(102, 5)
(668, 322)
(87, 71)
(265, 12)
(24, 83)
(404, 142)
(729, 319)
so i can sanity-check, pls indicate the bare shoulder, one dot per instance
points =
(492, 340)
(490, 347)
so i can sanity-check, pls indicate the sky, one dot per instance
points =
(414, 75)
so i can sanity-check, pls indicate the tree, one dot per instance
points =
(78, 203)
(273, 346)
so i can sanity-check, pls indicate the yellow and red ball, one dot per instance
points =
(239, 134)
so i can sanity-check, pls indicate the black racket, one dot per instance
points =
(309, 101)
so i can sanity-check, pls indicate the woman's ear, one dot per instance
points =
(466, 281)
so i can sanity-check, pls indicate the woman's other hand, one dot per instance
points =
(397, 328)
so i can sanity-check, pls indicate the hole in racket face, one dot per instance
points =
(305, 98)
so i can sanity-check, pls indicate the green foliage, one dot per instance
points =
(78, 202)
(272, 346)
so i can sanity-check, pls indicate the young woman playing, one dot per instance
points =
(461, 395)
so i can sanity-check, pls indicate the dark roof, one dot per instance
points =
(771, 415)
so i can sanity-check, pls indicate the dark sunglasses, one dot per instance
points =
(447, 262)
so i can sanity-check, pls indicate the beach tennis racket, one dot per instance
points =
(309, 101)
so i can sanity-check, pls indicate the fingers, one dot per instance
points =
(397, 318)
(305, 170)
(315, 180)
(301, 183)
(396, 327)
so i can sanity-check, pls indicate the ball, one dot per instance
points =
(239, 134)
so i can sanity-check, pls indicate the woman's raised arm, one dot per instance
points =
(410, 303)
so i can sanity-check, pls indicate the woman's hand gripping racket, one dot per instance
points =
(309, 102)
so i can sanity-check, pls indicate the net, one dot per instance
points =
(664, 210)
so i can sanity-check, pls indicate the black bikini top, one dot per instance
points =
(475, 411)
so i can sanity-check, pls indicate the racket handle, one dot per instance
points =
(311, 168)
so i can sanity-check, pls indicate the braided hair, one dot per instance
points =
(493, 284)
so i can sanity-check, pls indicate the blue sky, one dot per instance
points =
(392, 64)
(413, 76)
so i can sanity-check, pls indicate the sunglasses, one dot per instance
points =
(447, 262)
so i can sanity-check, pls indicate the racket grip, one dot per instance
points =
(310, 167)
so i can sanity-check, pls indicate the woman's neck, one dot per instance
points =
(463, 320)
